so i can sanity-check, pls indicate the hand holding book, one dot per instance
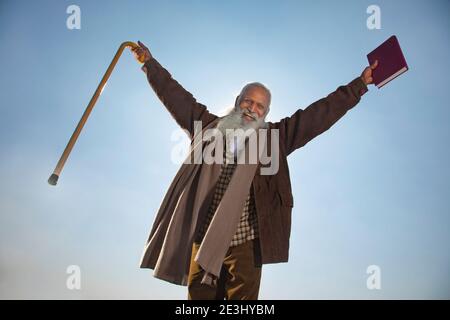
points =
(366, 75)
(391, 60)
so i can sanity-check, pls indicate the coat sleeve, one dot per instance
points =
(179, 102)
(304, 125)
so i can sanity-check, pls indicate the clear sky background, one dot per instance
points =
(373, 190)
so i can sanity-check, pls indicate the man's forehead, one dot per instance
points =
(255, 92)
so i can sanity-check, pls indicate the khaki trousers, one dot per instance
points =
(239, 279)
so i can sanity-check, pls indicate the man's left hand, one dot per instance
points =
(366, 75)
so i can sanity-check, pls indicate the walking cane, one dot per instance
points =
(56, 173)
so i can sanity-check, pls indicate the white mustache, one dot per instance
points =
(252, 115)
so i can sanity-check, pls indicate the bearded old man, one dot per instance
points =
(220, 222)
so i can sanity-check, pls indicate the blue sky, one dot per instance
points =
(373, 190)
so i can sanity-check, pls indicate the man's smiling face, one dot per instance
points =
(254, 101)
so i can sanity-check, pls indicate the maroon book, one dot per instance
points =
(391, 62)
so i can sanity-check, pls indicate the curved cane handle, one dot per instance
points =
(55, 175)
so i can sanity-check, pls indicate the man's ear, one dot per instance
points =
(236, 102)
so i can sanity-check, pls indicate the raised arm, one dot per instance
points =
(305, 125)
(178, 101)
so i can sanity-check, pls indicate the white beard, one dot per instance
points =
(233, 121)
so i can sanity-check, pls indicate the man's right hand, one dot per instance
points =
(141, 53)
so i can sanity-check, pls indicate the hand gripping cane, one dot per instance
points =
(55, 175)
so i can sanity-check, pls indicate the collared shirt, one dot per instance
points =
(248, 225)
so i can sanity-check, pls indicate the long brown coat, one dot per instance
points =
(273, 194)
